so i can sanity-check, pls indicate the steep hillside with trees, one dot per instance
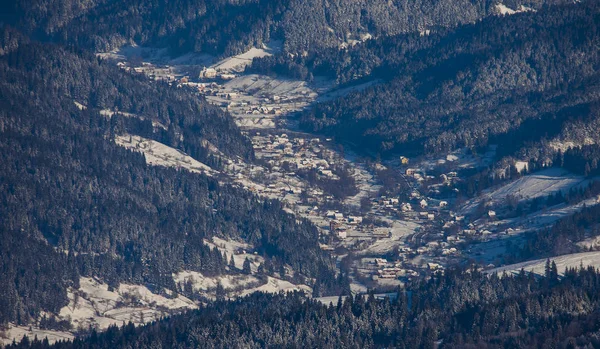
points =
(457, 310)
(481, 82)
(76, 204)
(228, 27)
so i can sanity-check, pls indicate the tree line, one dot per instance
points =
(459, 309)
(223, 28)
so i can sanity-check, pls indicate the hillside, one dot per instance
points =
(459, 310)
(564, 262)
(513, 80)
(76, 203)
(224, 27)
(211, 173)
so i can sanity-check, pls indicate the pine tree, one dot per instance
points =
(232, 263)
(246, 268)
(220, 292)
(553, 273)
(547, 269)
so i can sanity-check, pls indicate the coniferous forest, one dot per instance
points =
(225, 27)
(513, 81)
(431, 76)
(74, 203)
(461, 309)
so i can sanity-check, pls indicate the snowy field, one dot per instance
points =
(545, 217)
(18, 332)
(258, 85)
(93, 304)
(274, 285)
(365, 181)
(237, 285)
(538, 266)
(238, 63)
(255, 90)
(400, 230)
(505, 10)
(159, 154)
(531, 186)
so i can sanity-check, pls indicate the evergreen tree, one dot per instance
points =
(246, 268)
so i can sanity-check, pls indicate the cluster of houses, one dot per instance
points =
(211, 73)
(420, 176)
(418, 207)
(164, 74)
(265, 105)
(456, 231)
(258, 109)
(282, 156)
(339, 225)
(289, 155)
(391, 270)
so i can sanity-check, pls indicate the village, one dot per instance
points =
(385, 222)
(387, 239)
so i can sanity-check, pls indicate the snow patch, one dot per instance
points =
(239, 62)
(159, 154)
(505, 10)
(93, 304)
(539, 184)
(236, 285)
(275, 285)
(80, 106)
(108, 113)
(16, 333)
(538, 266)
(521, 166)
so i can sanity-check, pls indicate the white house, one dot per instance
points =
(355, 219)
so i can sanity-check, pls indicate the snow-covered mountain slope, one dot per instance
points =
(566, 261)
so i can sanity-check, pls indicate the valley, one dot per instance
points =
(386, 221)
(299, 173)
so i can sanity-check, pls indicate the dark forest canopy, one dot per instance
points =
(73, 203)
(525, 74)
(456, 310)
(186, 121)
(225, 27)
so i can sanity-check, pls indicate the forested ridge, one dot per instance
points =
(76, 204)
(172, 116)
(461, 309)
(225, 27)
(449, 74)
(480, 83)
